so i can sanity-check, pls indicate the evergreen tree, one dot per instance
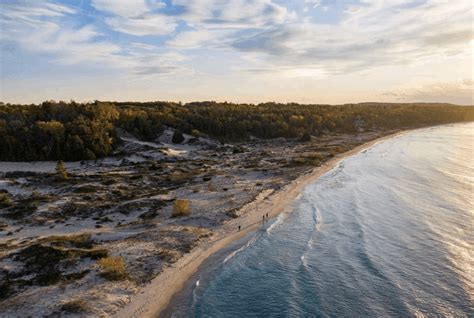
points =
(61, 172)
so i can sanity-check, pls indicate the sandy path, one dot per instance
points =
(155, 296)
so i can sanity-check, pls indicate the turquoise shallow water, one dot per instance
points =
(387, 233)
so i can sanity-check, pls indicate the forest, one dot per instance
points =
(82, 131)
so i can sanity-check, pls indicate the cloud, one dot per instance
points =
(150, 17)
(192, 39)
(34, 31)
(312, 4)
(40, 29)
(143, 25)
(123, 8)
(449, 38)
(359, 42)
(136, 17)
(244, 38)
(274, 41)
(232, 13)
(458, 92)
(412, 32)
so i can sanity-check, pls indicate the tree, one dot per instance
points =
(177, 137)
(306, 137)
(52, 136)
(61, 172)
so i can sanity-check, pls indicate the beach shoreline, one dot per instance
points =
(156, 296)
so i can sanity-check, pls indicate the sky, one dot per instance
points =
(306, 51)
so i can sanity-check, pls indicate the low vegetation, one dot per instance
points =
(5, 200)
(77, 306)
(113, 268)
(83, 241)
(181, 208)
(61, 172)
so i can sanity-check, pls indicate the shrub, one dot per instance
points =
(113, 268)
(87, 189)
(177, 137)
(6, 289)
(75, 306)
(61, 172)
(316, 157)
(337, 149)
(181, 208)
(306, 137)
(5, 200)
(75, 241)
(47, 261)
(238, 149)
(19, 211)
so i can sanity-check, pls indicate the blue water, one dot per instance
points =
(388, 233)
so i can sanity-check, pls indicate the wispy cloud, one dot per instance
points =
(458, 92)
(41, 28)
(136, 17)
(306, 39)
(362, 41)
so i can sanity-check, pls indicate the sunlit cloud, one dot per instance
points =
(308, 40)
(458, 92)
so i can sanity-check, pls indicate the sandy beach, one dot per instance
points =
(155, 296)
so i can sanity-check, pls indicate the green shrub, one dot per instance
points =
(5, 200)
(306, 137)
(177, 137)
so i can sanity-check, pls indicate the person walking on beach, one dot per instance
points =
(267, 216)
(239, 228)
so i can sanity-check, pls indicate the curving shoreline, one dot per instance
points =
(154, 297)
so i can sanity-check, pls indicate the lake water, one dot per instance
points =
(389, 232)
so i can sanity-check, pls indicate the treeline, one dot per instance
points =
(53, 131)
(73, 131)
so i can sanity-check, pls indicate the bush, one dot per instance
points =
(5, 200)
(75, 306)
(113, 268)
(181, 208)
(312, 160)
(61, 172)
(337, 149)
(177, 137)
(306, 137)
(71, 241)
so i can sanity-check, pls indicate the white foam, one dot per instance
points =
(250, 242)
(278, 221)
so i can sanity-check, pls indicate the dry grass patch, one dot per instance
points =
(75, 306)
(75, 241)
(337, 149)
(113, 268)
(181, 208)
